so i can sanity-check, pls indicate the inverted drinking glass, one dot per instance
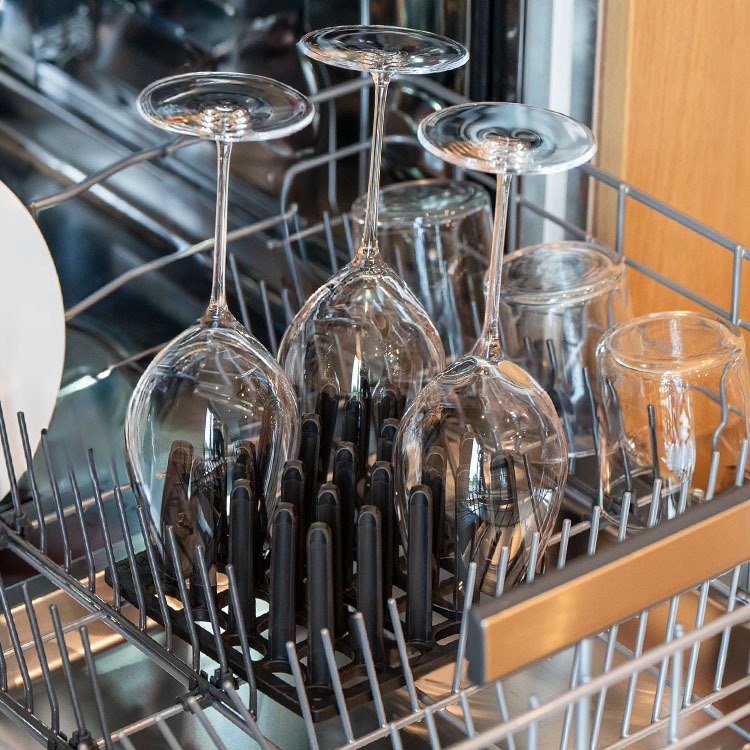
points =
(363, 342)
(557, 301)
(675, 393)
(213, 407)
(483, 437)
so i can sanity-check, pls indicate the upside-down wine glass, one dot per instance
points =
(362, 343)
(213, 407)
(483, 439)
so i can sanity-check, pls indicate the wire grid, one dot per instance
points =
(446, 718)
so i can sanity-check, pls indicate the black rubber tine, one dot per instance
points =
(319, 601)
(345, 478)
(328, 511)
(241, 554)
(82, 733)
(17, 650)
(244, 645)
(98, 697)
(281, 622)
(78, 502)
(365, 416)
(108, 548)
(435, 478)
(54, 706)
(213, 614)
(185, 599)
(328, 408)
(419, 567)
(130, 552)
(158, 585)
(370, 577)
(381, 496)
(32, 482)
(309, 454)
(293, 493)
(388, 430)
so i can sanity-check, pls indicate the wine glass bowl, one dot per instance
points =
(213, 408)
(363, 336)
(484, 437)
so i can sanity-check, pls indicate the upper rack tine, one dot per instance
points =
(502, 707)
(466, 713)
(330, 243)
(471, 577)
(372, 676)
(304, 703)
(90, 564)
(195, 707)
(562, 553)
(338, 691)
(596, 515)
(244, 645)
(67, 553)
(403, 653)
(533, 730)
(185, 599)
(270, 330)
(18, 513)
(213, 614)
(432, 733)
(693, 661)
(68, 672)
(674, 697)
(592, 406)
(502, 569)
(653, 511)
(28, 454)
(246, 716)
(721, 660)
(627, 499)
(130, 552)
(713, 471)
(168, 734)
(395, 738)
(125, 742)
(108, 548)
(17, 649)
(54, 706)
(238, 291)
(98, 698)
(533, 554)
(158, 585)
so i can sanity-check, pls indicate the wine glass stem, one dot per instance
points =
(218, 303)
(489, 345)
(368, 249)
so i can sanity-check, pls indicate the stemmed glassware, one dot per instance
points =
(213, 407)
(483, 438)
(363, 339)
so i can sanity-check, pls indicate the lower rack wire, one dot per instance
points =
(669, 671)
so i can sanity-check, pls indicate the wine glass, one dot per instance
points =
(483, 437)
(362, 342)
(213, 407)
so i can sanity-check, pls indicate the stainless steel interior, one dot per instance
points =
(70, 72)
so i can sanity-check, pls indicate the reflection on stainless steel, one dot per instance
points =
(70, 72)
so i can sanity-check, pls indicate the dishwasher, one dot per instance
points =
(623, 640)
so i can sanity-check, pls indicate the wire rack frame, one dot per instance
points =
(204, 694)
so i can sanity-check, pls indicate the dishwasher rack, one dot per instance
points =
(671, 670)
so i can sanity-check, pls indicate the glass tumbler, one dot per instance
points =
(557, 301)
(436, 234)
(674, 389)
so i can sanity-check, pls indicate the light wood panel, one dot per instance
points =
(674, 115)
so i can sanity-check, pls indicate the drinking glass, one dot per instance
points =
(363, 341)
(675, 391)
(437, 234)
(557, 301)
(483, 438)
(213, 407)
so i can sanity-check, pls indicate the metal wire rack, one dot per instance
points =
(671, 669)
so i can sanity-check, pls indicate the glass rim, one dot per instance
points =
(476, 199)
(728, 344)
(607, 279)
(354, 61)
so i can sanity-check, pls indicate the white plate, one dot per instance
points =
(32, 329)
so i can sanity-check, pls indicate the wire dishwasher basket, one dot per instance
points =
(636, 641)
